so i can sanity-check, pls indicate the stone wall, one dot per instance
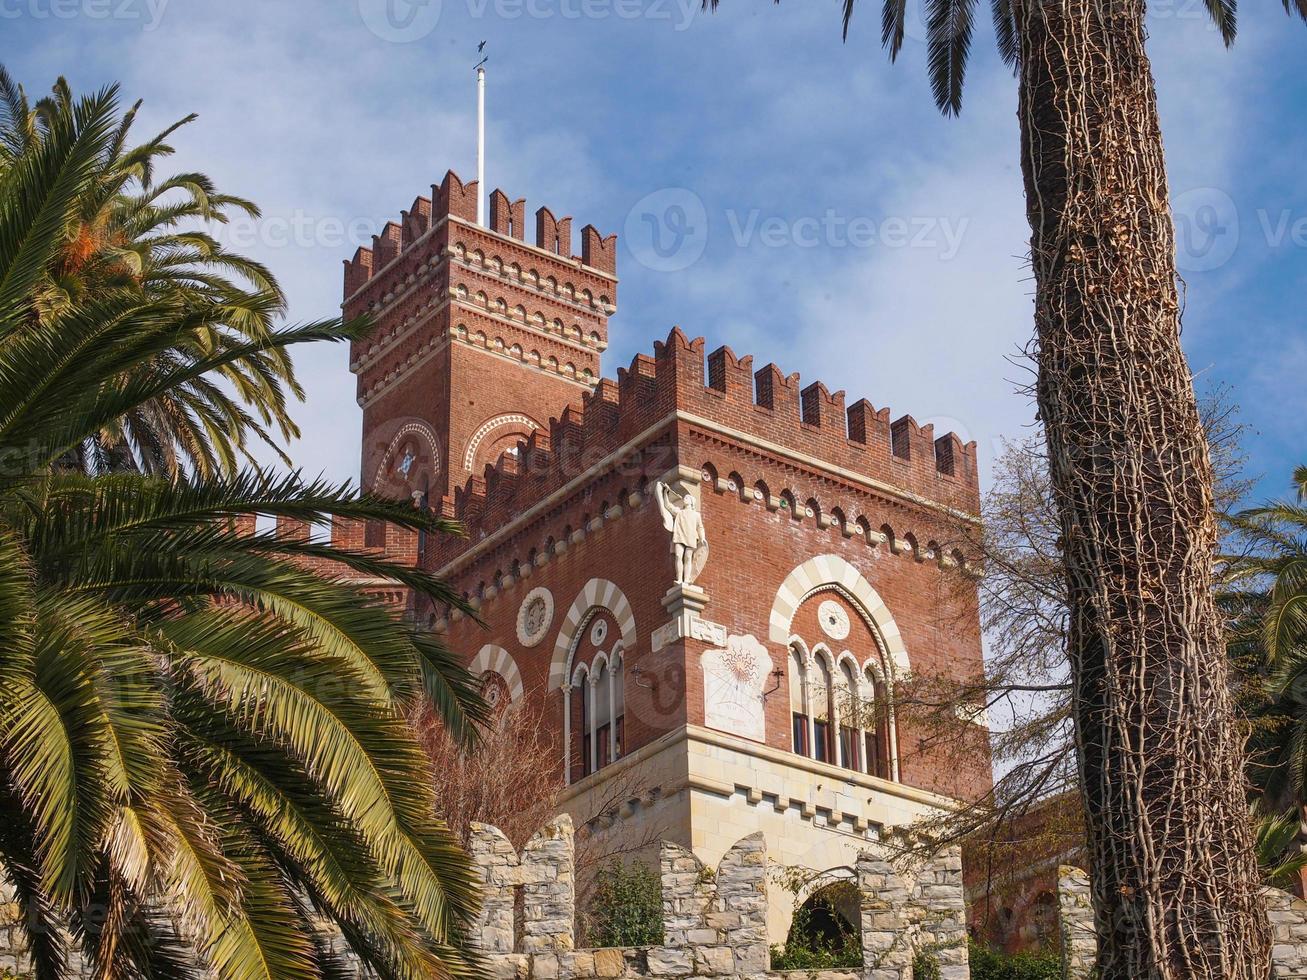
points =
(918, 911)
(714, 919)
(1287, 914)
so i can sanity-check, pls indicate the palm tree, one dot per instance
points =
(132, 230)
(204, 753)
(1176, 896)
(1264, 596)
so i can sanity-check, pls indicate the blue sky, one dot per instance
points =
(830, 219)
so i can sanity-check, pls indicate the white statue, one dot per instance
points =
(689, 539)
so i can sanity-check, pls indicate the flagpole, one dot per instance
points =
(481, 143)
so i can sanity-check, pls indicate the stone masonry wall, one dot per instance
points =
(904, 914)
(1287, 914)
(715, 920)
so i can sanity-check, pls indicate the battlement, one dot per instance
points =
(766, 406)
(453, 198)
(379, 539)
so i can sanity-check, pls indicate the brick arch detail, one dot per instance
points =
(833, 572)
(491, 657)
(409, 428)
(599, 593)
(489, 426)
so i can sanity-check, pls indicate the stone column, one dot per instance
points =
(567, 734)
(715, 924)
(886, 941)
(943, 913)
(612, 711)
(549, 889)
(1075, 905)
(592, 714)
(497, 866)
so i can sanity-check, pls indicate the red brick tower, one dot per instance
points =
(481, 337)
(761, 687)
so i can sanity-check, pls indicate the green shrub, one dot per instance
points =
(821, 956)
(925, 966)
(626, 907)
(991, 964)
(810, 947)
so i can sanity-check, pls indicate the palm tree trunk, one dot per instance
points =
(1175, 879)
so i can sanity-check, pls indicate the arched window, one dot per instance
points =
(602, 721)
(581, 708)
(619, 707)
(822, 704)
(599, 717)
(850, 748)
(799, 702)
(875, 723)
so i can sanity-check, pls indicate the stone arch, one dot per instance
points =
(491, 657)
(598, 594)
(833, 572)
(489, 426)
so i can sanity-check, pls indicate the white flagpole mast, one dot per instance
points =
(481, 138)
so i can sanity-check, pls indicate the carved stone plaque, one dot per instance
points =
(733, 681)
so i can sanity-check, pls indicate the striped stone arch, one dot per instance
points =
(502, 663)
(417, 428)
(599, 593)
(833, 572)
(489, 426)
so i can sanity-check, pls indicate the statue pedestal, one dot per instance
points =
(685, 603)
(685, 600)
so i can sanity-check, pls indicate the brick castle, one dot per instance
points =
(755, 694)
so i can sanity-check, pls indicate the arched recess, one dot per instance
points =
(599, 593)
(523, 424)
(410, 434)
(833, 572)
(491, 657)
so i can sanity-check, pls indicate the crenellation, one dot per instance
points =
(416, 221)
(814, 421)
(731, 375)
(949, 454)
(553, 234)
(291, 528)
(869, 427)
(678, 369)
(822, 408)
(453, 198)
(901, 440)
(358, 270)
(778, 392)
(508, 217)
(597, 251)
(388, 244)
